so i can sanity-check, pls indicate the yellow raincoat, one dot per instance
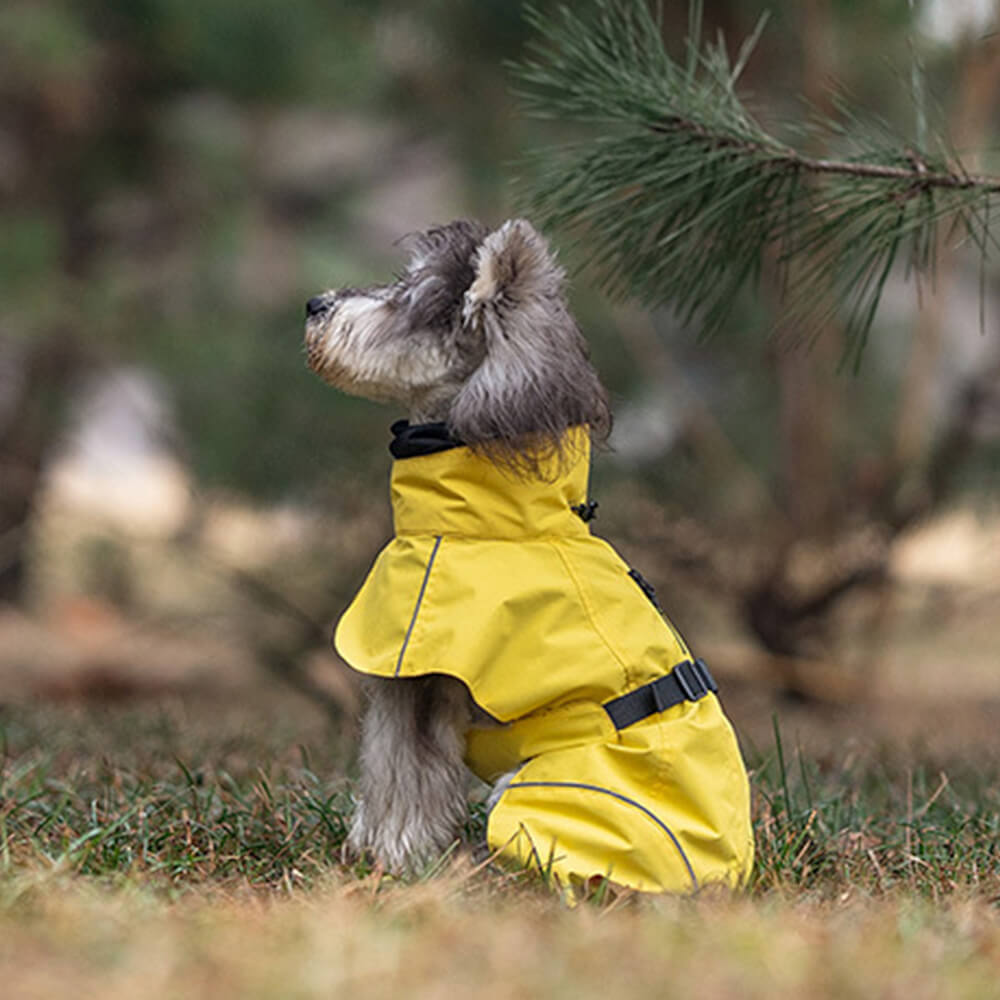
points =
(498, 582)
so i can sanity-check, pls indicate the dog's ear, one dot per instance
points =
(535, 380)
(440, 270)
(515, 269)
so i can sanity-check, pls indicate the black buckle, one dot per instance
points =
(705, 676)
(694, 679)
(689, 681)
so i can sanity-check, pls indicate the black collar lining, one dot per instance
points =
(416, 440)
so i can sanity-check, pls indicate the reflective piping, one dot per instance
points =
(416, 610)
(621, 798)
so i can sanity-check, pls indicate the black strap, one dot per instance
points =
(686, 682)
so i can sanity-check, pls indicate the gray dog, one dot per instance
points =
(494, 603)
(475, 333)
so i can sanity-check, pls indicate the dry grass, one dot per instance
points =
(450, 938)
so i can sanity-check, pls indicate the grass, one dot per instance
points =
(875, 825)
(133, 794)
(125, 794)
(193, 850)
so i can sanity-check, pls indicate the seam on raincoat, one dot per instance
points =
(416, 609)
(676, 634)
(592, 618)
(621, 798)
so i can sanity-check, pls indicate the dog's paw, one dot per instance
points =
(400, 848)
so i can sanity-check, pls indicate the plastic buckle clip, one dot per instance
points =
(705, 676)
(685, 674)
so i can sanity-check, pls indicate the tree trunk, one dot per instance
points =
(806, 380)
(35, 380)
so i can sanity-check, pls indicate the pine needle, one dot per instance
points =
(682, 196)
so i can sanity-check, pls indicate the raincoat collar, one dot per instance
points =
(457, 492)
(415, 440)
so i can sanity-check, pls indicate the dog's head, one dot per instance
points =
(475, 332)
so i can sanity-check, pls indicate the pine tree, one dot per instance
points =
(683, 195)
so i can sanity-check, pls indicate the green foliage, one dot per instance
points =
(134, 165)
(678, 195)
(261, 420)
(29, 253)
(248, 49)
(47, 41)
(146, 188)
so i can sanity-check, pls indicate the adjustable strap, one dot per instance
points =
(686, 682)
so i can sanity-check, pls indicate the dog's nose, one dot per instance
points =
(316, 305)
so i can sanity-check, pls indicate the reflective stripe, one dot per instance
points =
(420, 598)
(621, 798)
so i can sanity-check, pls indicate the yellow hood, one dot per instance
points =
(497, 581)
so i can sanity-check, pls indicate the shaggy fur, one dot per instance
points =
(476, 333)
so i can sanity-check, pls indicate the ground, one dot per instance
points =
(172, 820)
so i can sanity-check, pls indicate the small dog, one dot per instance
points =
(495, 630)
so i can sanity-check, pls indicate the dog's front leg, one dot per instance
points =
(412, 781)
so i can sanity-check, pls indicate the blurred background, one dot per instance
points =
(185, 509)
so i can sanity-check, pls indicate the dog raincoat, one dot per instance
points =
(620, 760)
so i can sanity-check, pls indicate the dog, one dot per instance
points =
(494, 630)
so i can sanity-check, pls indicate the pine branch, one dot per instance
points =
(682, 196)
(917, 174)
